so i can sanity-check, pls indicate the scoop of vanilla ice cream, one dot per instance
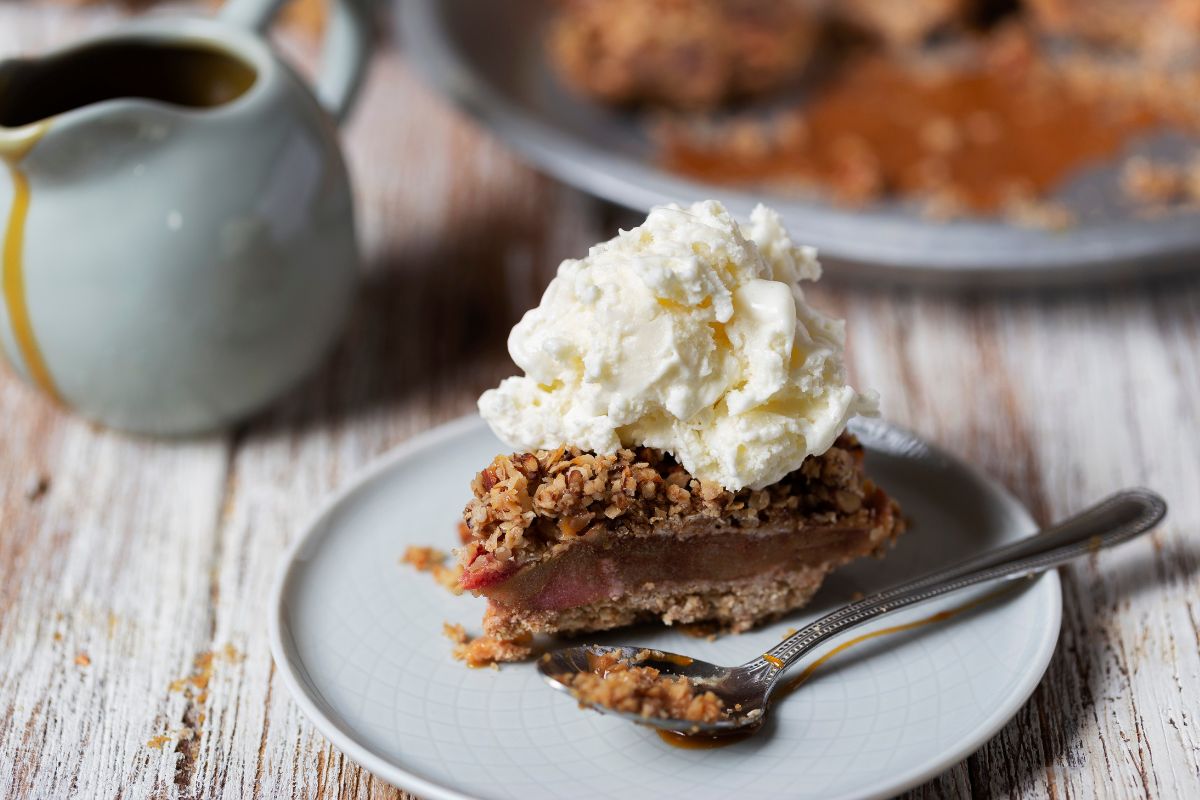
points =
(689, 334)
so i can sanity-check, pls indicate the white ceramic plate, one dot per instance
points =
(357, 638)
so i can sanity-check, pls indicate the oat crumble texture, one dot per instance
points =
(569, 541)
(623, 685)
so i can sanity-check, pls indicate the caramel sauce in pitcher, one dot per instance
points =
(192, 76)
(32, 93)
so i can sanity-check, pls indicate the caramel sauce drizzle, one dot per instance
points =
(708, 742)
(12, 256)
(941, 616)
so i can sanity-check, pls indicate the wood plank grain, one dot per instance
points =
(133, 660)
(106, 547)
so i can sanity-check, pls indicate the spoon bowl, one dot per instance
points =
(738, 687)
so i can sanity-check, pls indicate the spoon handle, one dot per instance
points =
(1112, 521)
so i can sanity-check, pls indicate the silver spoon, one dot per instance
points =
(746, 690)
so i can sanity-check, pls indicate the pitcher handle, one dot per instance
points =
(344, 53)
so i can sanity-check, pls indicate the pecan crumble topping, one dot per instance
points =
(433, 561)
(529, 505)
(486, 651)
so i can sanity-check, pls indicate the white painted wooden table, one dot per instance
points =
(133, 573)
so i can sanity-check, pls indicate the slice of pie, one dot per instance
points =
(568, 541)
(680, 437)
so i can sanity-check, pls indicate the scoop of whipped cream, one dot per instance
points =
(689, 334)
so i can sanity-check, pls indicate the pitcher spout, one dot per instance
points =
(17, 135)
(15, 143)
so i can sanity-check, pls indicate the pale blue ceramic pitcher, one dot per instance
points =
(177, 241)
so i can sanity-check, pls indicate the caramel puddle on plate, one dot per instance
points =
(702, 742)
(12, 255)
(693, 741)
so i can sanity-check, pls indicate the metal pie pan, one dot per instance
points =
(489, 60)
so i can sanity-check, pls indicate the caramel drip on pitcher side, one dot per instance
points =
(12, 265)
